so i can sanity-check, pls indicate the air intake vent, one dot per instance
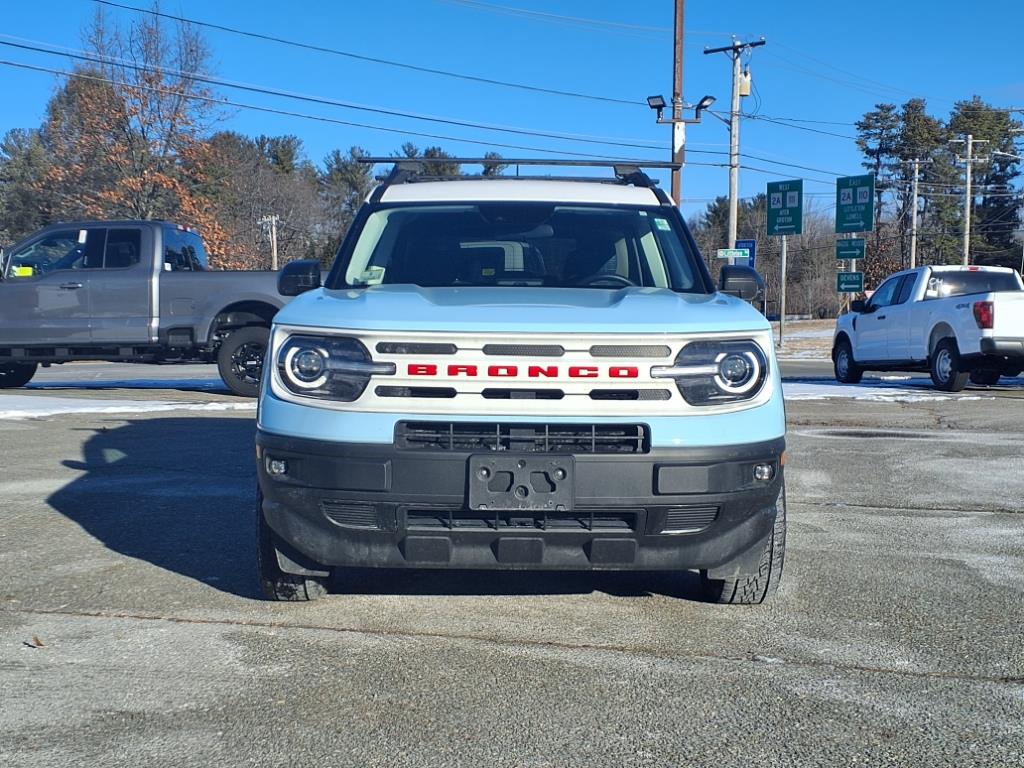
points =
(630, 394)
(630, 350)
(688, 519)
(350, 515)
(581, 520)
(441, 392)
(530, 438)
(522, 394)
(415, 348)
(524, 350)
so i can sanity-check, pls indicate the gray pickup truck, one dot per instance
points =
(136, 291)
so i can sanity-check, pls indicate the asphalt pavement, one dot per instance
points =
(131, 631)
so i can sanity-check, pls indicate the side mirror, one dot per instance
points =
(857, 305)
(741, 281)
(298, 277)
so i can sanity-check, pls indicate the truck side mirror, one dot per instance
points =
(741, 281)
(298, 277)
(857, 305)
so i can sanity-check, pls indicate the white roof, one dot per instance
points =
(513, 189)
(962, 268)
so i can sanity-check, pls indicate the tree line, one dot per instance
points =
(889, 138)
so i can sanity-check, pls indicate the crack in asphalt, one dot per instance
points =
(752, 658)
(888, 508)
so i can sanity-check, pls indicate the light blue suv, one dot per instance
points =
(511, 373)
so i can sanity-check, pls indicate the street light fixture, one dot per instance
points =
(658, 104)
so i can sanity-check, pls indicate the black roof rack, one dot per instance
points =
(411, 169)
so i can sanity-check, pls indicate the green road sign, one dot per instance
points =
(849, 282)
(850, 249)
(733, 253)
(786, 207)
(855, 211)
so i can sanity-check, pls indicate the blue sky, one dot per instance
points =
(824, 61)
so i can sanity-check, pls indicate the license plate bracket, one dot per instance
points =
(511, 482)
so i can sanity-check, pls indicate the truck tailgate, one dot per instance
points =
(1009, 314)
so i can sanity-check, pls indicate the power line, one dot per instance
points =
(372, 59)
(96, 59)
(319, 118)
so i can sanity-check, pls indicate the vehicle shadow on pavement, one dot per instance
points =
(178, 493)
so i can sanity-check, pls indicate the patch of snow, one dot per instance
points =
(34, 407)
(874, 390)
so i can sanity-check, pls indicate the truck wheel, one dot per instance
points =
(945, 367)
(985, 377)
(751, 589)
(16, 374)
(275, 583)
(846, 370)
(240, 359)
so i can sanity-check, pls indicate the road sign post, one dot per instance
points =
(855, 210)
(785, 217)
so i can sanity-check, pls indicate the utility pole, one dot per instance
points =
(735, 51)
(678, 126)
(969, 162)
(916, 162)
(271, 221)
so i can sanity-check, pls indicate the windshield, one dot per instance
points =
(521, 245)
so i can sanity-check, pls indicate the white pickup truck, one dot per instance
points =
(954, 322)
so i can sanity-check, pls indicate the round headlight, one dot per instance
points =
(735, 369)
(306, 366)
(738, 372)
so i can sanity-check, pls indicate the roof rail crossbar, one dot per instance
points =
(414, 168)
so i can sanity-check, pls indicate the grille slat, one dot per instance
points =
(581, 520)
(529, 438)
(688, 519)
(350, 515)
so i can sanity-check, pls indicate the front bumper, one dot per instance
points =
(372, 505)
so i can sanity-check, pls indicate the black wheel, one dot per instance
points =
(275, 583)
(752, 589)
(846, 370)
(240, 359)
(945, 367)
(16, 374)
(985, 377)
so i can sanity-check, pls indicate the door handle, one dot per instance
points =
(881, 317)
(70, 286)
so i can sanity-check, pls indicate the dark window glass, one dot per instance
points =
(943, 284)
(175, 251)
(123, 249)
(883, 297)
(906, 288)
(58, 250)
(196, 252)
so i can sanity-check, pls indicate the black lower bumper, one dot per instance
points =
(1010, 348)
(346, 504)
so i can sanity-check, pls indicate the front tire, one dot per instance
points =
(846, 370)
(14, 375)
(240, 359)
(752, 589)
(944, 367)
(275, 583)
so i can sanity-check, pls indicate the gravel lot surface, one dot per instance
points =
(131, 633)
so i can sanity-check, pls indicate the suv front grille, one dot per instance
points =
(527, 438)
